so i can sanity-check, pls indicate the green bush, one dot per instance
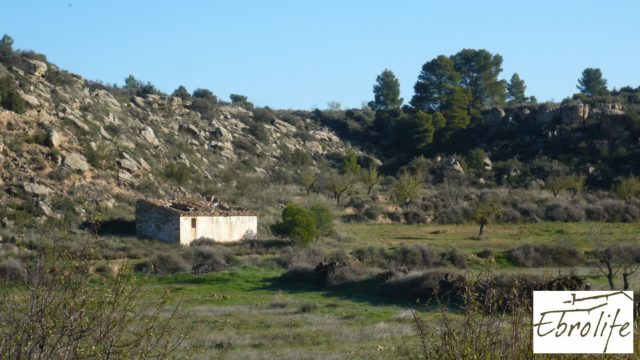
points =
(9, 97)
(178, 173)
(324, 220)
(259, 131)
(59, 77)
(297, 224)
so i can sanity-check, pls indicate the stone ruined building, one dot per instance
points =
(182, 221)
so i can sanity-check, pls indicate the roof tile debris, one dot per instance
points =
(194, 207)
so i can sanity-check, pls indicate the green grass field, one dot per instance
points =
(262, 316)
(496, 236)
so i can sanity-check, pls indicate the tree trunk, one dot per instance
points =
(481, 230)
(610, 276)
(625, 278)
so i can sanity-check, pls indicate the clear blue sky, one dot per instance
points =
(301, 54)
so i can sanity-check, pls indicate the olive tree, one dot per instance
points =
(484, 212)
(627, 188)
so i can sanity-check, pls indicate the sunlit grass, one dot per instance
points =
(497, 236)
(250, 313)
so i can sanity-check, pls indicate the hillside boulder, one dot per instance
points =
(488, 165)
(284, 127)
(453, 165)
(148, 134)
(314, 147)
(36, 189)
(493, 116)
(221, 134)
(189, 129)
(75, 161)
(37, 68)
(128, 164)
(54, 139)
(105, 98)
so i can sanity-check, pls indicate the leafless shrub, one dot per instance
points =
(485, 331)
(165, 263)
(206, 259)
(531, 255)
(302, 257)
(349, 274)
(12, 270)
(410, 257)
(558, 211)
(59, 311)
(492, 325)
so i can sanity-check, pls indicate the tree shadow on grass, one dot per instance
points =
(113, 227)
(362, 291)
(410, 238)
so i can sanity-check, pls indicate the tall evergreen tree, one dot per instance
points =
(436, 79)
(7, 41)
(413, 133)
(516, 90)
(592, 83)
(6, 46)
(479, 70)
(386, 92)
(182, 93)
(131, 83)
(424, 129)
(456, 109)
(439, 120)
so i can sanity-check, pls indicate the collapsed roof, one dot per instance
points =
(195, 207)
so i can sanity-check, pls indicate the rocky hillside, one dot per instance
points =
(79, 148)
(598, 141)
(75, 151)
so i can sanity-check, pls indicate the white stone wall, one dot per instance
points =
(218, 228)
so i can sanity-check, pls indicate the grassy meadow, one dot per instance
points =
(250, 312)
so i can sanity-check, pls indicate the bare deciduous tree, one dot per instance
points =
(612, 259)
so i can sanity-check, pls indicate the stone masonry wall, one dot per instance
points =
(157, 223)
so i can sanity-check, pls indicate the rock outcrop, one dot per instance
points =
(75, 161)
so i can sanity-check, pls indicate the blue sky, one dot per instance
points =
(302, 54)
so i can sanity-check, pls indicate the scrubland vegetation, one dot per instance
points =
(390, 231)
(350, 295)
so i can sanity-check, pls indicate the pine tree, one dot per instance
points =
(591, 83)
(479, 71)
(456, 109)
(386, 92)
(516, 90)
(436, 79)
